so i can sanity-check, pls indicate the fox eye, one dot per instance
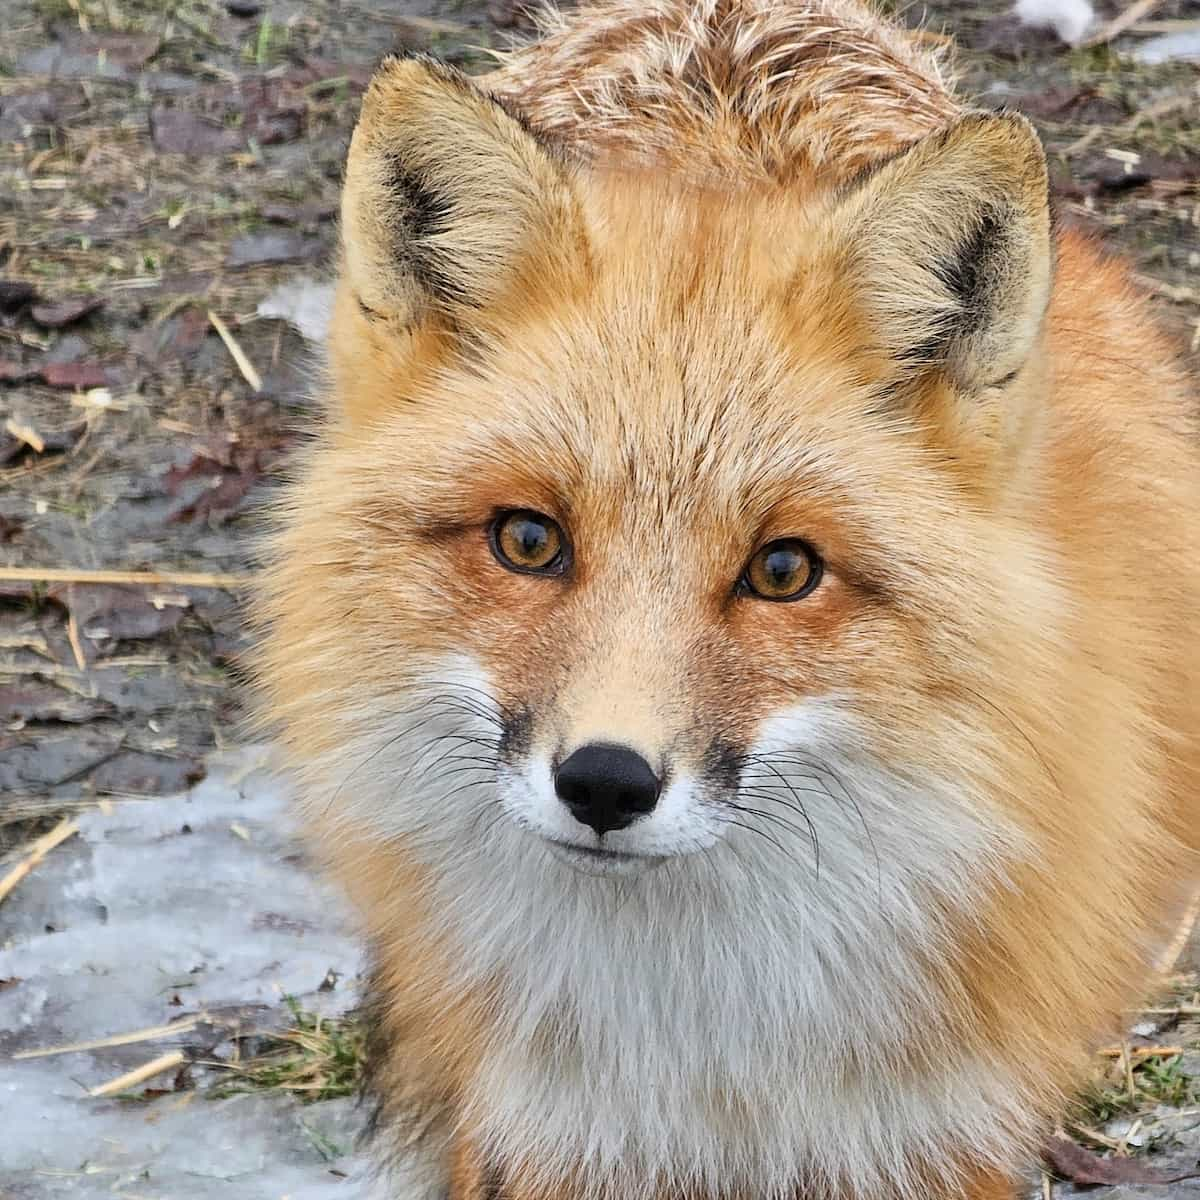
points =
(788, 569)
(528, 542)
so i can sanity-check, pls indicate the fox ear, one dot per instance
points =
(949, 250)
(448, 199)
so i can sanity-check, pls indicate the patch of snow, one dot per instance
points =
(155, 911)
(305, 302)
(1070, 19)
(1170, 47)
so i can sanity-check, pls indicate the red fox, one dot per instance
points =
(737, 634)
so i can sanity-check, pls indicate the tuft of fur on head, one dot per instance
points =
(806, 92)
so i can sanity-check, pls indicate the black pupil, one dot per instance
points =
(782, 565)
(532, 537)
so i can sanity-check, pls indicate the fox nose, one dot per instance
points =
(606, 787)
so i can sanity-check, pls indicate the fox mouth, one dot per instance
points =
(597, 860)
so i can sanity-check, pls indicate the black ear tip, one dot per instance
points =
(398, 61)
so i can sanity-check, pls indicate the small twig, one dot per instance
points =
(249, 374)
(1166, 25)
(1121, 22)
(76, 644)
(1047, 1187)
(1127, 1066)
(157, 1066)
(26, 434)
(118, 1039)
(1095, 1136)
(134, 578)
(37, 851)
(1082, 142)
(1129, 1135)
(1141, 1051)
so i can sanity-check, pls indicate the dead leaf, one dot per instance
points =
(77, 375)
(178, 337)
(65, 312)
(105, 612)
(220, 501)
(1072, 1162)
(231, 470)
(131, 772)
(35, 701)
(177, 131)
(273, 111)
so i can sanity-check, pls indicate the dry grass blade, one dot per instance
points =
(118, 1039)
(37, 851)
(156, 1066)
(18, 810)
(76, 644)
(249, 374)
(1121, 22)
(26, 434)
(317, 1059)
(201, 579)
(1141, 1051)
(1095, 1137)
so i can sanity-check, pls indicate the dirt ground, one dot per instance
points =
(165, 166)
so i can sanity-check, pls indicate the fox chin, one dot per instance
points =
(735, 633)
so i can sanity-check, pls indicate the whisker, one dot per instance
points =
(812, 829)
(774, 818)
(762, 833)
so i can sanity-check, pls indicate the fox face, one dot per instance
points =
(656, 578)
(683, 501)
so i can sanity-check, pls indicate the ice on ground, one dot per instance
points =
(158, 910)
(1072, 20)
(1170, 47)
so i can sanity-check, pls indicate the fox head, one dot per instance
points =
(655, 522)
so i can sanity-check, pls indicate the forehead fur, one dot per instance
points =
(695, 311)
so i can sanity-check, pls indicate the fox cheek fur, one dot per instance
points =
(665, 874)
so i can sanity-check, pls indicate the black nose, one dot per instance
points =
(606, 787)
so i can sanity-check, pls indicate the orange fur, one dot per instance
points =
(656, 297)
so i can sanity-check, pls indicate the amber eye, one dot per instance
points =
(785, 570)
(528, 542)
